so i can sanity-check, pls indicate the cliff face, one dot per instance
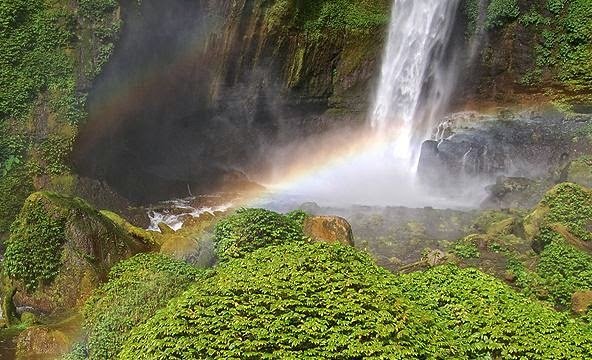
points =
(529, 50)
(263, 73)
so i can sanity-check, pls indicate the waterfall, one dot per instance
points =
(414, 82)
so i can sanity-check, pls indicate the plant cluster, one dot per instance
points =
(287, 301)
(317, 18)
(33, 251)
(488, 319)
(250, 229)
(137, 288)
(49, 50)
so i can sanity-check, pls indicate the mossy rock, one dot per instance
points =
(196, 249)
(60, 249)
(579, 171)
(48, 341)
(565, 213)
(149, 237)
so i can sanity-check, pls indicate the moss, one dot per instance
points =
(142, 235)
(15, 186)
(579, 171)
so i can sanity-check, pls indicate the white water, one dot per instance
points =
(413, 87)
(410, 100)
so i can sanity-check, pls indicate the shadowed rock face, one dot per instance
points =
(197, 90)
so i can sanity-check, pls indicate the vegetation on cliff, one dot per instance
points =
(48, 54)
(557, 35)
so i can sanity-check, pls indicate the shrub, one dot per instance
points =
(569, 205)
(251, 229)
(489, 320)
(565, 270)
(289, 301)
(137, 288)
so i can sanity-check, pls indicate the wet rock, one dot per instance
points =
(330, 229)
(529, 145)
(48, 342)
(515, 192)
(581, 302)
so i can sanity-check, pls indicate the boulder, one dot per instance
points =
(330, 229)
(60, 249)
(581, 302)
(579, 171)
(48, 342)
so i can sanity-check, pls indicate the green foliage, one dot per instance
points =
(314, 301)
(465, 250)
(570, 205)
(488, 320)
(32, 57)
(565, 270)
(318, 18)
(250, 229)
(298, 216)
(15, 187)
(33, 251)
(564, 43)
(501, 12)
(137, 288)
(47, 49)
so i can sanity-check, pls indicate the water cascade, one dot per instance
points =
(414, 84)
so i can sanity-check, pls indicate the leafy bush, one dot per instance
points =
(251, 229)
(489, 320)
(569, 205)
(465, 250)
(298, 216)
(565, 270)
(291, 301)
(137, 288)
(33, 251)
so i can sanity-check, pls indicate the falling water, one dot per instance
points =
(413, 84)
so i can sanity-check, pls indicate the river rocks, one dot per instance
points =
(330, 229)
(60, 249)
(581, 302)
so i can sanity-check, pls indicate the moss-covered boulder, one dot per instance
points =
(579, 171)
(60, 249)
(48, 341)
(564, 213)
